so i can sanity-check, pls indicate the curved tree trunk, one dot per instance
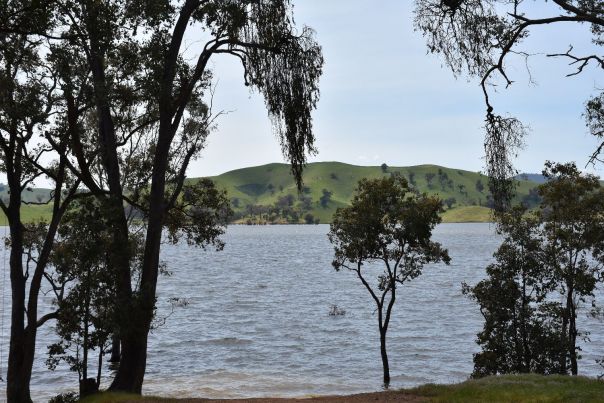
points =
(22, 340)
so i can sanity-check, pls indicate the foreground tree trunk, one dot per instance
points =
(131, 372)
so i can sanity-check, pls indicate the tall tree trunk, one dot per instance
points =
(19, 370)
(131, 371)
(129, 376)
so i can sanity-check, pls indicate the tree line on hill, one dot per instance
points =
(287, 209)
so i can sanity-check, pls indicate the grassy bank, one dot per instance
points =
(517, 388)
(468, 214)
(509, 388)
(33, 213)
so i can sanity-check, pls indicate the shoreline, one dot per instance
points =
(501, 388)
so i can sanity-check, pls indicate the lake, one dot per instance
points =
(258, 321)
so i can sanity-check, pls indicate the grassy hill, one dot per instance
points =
(264, 185)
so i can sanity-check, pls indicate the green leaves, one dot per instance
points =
(200, 216)
(549, 254)
(387, 222)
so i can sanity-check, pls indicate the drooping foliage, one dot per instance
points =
(480, 38)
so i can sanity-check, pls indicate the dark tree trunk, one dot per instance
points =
(565, 343)
(384, 353)
(22, 346)
(131, 372)
(572, 332)
(22, 339)
(115, 349)
(21, 350)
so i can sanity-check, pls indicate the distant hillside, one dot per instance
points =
(29, 212)
(263, 193)
(537, 178)
(268, 193)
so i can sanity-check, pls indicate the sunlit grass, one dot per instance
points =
(517, 388)
(468, 214)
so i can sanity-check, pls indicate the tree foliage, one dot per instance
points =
(522, 331)
(87, 299)
(546, 269)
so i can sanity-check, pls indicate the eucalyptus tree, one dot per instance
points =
(572, 211)
(522, 329)
(547, 267)
(479, 37)
(388, 225)
(31, 116)
(151, 122)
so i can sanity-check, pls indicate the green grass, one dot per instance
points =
(468, 214)
(507, 388)
(31, 213)
(517, 388)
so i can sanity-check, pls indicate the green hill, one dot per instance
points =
(262, 194)
(253, 190)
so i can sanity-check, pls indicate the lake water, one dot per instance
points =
(258, 321)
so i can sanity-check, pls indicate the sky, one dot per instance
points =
(384, 99)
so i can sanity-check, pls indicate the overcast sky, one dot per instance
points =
(383, 99)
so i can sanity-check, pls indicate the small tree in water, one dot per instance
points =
(386, 224)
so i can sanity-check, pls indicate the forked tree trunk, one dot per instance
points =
(131, 372)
